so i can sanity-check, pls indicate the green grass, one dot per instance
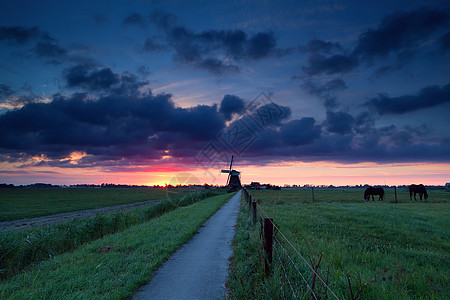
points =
(21, 203)
(400, 251)
(136, 253)
(304, 195)
(18, 249)
(246, 274)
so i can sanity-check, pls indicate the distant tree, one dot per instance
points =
(6, 186)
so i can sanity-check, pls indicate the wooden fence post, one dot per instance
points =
(395, 192)
(254, 212)
(312, 193)
(268, 241)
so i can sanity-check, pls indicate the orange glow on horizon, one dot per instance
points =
(299, 173)
(330, 173)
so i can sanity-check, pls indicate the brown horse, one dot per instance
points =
(371, 191)
(418, 189)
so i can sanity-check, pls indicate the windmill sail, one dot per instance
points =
(233, 180)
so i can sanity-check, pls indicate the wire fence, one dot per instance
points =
(299, 278)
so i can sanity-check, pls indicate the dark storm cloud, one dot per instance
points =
(421, 130)
(44, 45)
(5, 91)
(325, 90)
(427, 97)
(343, 137)
(91, 78)
(401, 138)
(21, 35)
(230, 105)
(335, 64)
(123, 130)
(327, 58)
(135, 19)
(270, 114)
(400, 31)
(300, 132)
(260, 45)
(111, 127)
(205, 49)
(339, 122)
(364, 122)
(87, 77)
(129, 84)
(216, 66)
(191, 46)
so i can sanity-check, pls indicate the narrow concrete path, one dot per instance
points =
(199, 269)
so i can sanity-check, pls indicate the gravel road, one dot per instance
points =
(65, 217)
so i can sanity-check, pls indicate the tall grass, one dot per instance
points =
(21, 248)
(246, 274)
(114, 266)
(396, 251)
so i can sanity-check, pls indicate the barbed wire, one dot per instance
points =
(304, 260)
(295, 266)
(263, 214)
(285, 275)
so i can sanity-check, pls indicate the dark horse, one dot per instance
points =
(370, 191)
(418, 189)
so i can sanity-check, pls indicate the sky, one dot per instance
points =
(158, 92)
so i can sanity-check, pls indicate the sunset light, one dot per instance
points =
(224, 149)
(298, 94)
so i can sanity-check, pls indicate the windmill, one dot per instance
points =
(234, 177)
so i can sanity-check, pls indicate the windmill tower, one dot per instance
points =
(234, 178)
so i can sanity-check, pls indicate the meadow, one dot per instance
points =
(19, 249)
(345, 194)
(387, 250)
(114, 266)
(21, 203)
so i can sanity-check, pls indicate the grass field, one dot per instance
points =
(18, 249)
(134, 254)
(397, 250)
(21, 203)
(303, 195)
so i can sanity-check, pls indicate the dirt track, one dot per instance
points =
(65, 217)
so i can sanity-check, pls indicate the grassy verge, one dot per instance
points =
(246, 274)
(22, 203)
(18, 249)
(115, 266)
(396, 251)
